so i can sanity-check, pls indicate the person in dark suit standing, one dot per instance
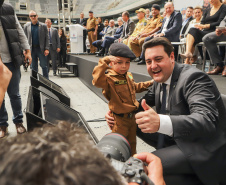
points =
(82, 21)
(38, 39)
(54, 46)
(63, 48)
(128, 27)
(188, 127)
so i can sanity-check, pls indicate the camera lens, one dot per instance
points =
(116, 146)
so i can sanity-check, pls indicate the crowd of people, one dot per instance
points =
(187, 127)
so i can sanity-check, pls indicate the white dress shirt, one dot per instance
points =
(166, 126)
(165, 25)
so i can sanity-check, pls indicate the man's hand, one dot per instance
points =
(154, 168)
(27, 56)
(218, 32)
(46, 52)
(58, 50)
(5, 76)
(110, 120)
(148, 120)
(95, 33)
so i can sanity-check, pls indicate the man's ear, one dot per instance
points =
(172, 56)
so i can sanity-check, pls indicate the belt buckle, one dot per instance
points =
(130, 115)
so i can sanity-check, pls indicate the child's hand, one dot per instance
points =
(113, 59)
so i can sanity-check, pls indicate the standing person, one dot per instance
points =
(63, 47)
(92, 26)
(119, 88)
(54, 45)
(38, 39)
(210, 41)
(82, 20)
(12, 43)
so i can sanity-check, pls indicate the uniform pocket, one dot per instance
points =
(123, 92)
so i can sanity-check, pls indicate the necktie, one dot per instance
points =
(160, 143)
(50, 39)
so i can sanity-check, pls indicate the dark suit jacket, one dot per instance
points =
(43, 35)
(173, 28)
(128, 30)
(183, 29)
(55, 38)
(118, 32)
(198, 116)
(82, 22)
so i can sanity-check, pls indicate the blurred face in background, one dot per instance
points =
(189, 12)
(99, 20)
(90, 15)
(33, 16)
(169, 8)
(154, 12)
(124, 17)
(120, 22)
(48, 23)
(147, 11)
(81, 15)
(140, 15)
(105, 23)
(197, 14)
(111, 23)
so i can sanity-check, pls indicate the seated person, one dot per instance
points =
(108, 40)
(110, 31)
(62, 155)
(186, 22)
(210, 41)
(153, 25)
(128, 27)
(211, 18)
(119, 88)
(171, 27)
(103, 29)
(139, 27)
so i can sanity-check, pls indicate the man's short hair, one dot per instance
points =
(33, 11)
(106, 20)
(126, 13)
(198, 7)
(190, 7)
(159, 41)
(120, 18)
(54, 155)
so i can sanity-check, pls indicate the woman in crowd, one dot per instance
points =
(100, 28)
(63, 47)
(211, 18)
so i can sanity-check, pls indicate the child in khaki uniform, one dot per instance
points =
(119, 88)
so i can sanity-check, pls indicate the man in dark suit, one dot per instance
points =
(187, 20)
(128, 27)
(54, 45)
(82, 21)
(38, 39)
(188, 127)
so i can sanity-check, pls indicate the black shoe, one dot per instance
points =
(136, 59)
(142, 62)
(91, 54)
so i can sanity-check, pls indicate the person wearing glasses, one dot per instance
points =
(38, 39)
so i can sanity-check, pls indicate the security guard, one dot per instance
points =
(92, 26)
(153, 25)
(139, 27)
(119, 88)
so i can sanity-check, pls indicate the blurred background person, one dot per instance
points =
(188, 18)
(100, 28)
(63, 48)
(148, 14)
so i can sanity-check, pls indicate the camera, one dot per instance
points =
(116, 147)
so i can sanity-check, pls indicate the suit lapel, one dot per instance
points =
(173, 83)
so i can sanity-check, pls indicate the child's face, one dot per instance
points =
(120, 64)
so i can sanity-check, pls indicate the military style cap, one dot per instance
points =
(121, 50)
(156, 6)
(90, 11)
(140, 10)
